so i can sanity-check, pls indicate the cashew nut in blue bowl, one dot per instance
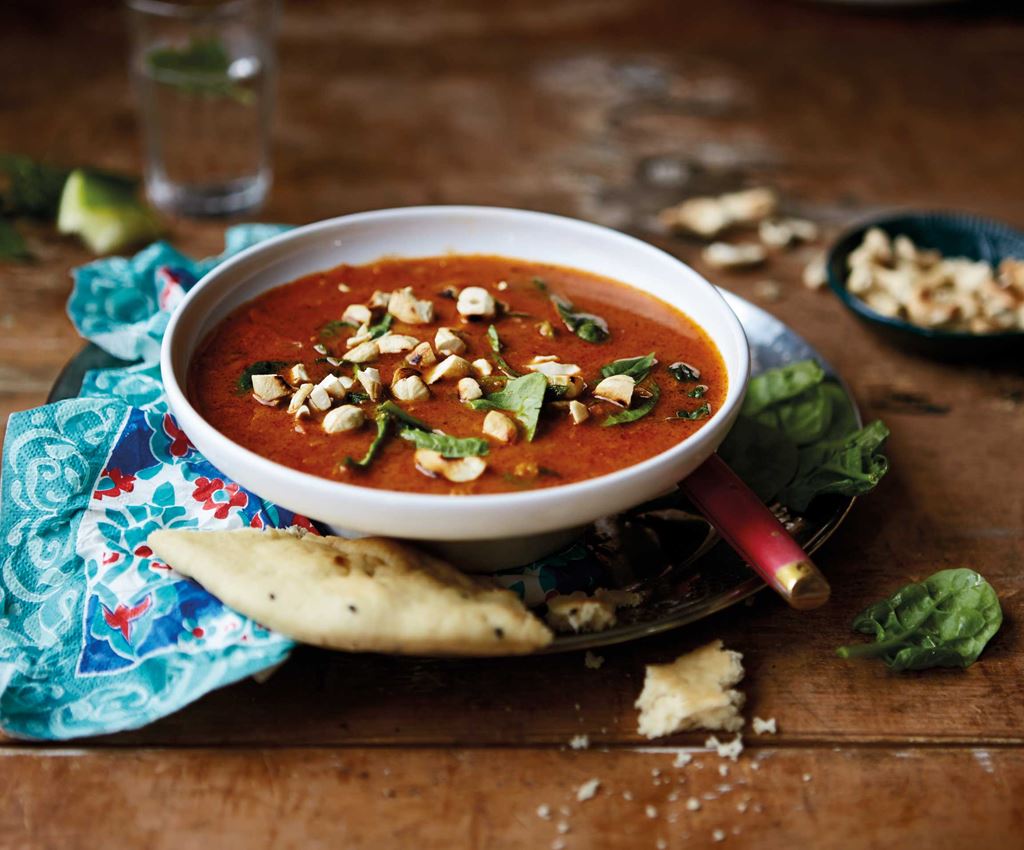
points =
(944, 284)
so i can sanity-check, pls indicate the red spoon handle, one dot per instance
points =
(756, 535)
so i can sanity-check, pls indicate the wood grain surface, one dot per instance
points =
(607, 110)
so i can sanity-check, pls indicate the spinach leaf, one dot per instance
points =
(781, 384)
(804, 419)
(944, 621)
(684, 372)
(30, 188)
(383, 419)
(12, 246)
(637, 368)
(624, 417)
(522, 397)
(446, 445)
(587, 326)
(382, 327)
(541, 284)
(698, 391)
(702, 412)
(398, 413)
(850, 465)
(843, 420)
(260, 367)
(496, 346)
(332, 328)
(764, 458)
(358, 398)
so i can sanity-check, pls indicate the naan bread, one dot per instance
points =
(372, 594)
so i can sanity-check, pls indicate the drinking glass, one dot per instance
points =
(204, 73)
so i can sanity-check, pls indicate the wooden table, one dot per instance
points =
(606, 110)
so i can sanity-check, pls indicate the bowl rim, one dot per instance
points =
(399, 500)
(843, 245)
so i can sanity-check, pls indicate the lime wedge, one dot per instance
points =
(105, 211)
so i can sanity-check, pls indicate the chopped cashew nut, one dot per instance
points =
(482, 368)
(446, 341)
(567, 387)
(550, 368)
(452, 366)
(457, 470)
(407, 385)
(391, 343)
(357, 314)
(380, 299)
(335, 386)
(475, 302)
(578, 411)
(269, 389)
(297, 375)
(469, 389)
(723, 255)
(370, 379)
(299, 398)
(710, 216)
(348, 417)
(815, 274)
(406, 307)
(499, 426)
(422, 356)
(361, 335)
(618, 389)
(302, 413)
(783, 232)
(319, 399)
(363, 353)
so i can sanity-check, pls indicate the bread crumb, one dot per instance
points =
(718, 835)
(741, 807)
(729, 750)
(682, 759)
(578, 612)
(588, 789)
(764, 727)
(579, 742)
(693, 804)
(768, 290)
(558, 844)
(544, 811)
(592, 661)
(563, 827)
(694, 691)
(627, 795)
(723, 770)
(650, 811)
(807, 777)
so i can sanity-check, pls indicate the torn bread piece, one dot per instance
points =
(367, 595)
(578, 612)
(693, 692)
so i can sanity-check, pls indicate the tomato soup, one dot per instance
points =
(457, 375)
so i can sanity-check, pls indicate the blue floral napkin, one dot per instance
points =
(96, 635)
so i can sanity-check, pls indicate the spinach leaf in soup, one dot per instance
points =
(522, 397)
(944, 621)
(702, 412)
(684, 372)
(260, 367)
(496, 347)
(781, 384)
(383, 420)
(637, 368)
(329, 330)
(850, 465)
(624, 417)
(587, 326)
(446, 445)
(382, 327)
(401, 415)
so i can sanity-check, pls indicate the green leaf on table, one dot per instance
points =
(804, 418)
(850, 465)
(260, 367)
(383, 420)
(12, 246)
(201, 67)
(944, 621)
(781, 384)
(447, 446)
(624, 417)
(637, 368)
(587, 326)
(764, 458)
(496, 346)
(522, 397)
(29, 187)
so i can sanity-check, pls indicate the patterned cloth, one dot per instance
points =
(96, 635)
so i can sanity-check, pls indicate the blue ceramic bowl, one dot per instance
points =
(953, 234)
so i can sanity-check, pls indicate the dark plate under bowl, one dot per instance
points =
(954, 235)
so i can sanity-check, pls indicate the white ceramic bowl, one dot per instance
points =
(528, 523)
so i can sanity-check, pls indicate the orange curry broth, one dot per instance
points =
(284, 324)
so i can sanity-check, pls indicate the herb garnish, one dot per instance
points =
(382, 327)
(398, 413)
(944, 621)
(541, 284)
(587, 326)
(637, 368)
(383, 419)
(522, 397)
(626, 416)
(496, 346)
(332, 328)
(443, 443)
(260, 367)
(702, 412)
(698, 391)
